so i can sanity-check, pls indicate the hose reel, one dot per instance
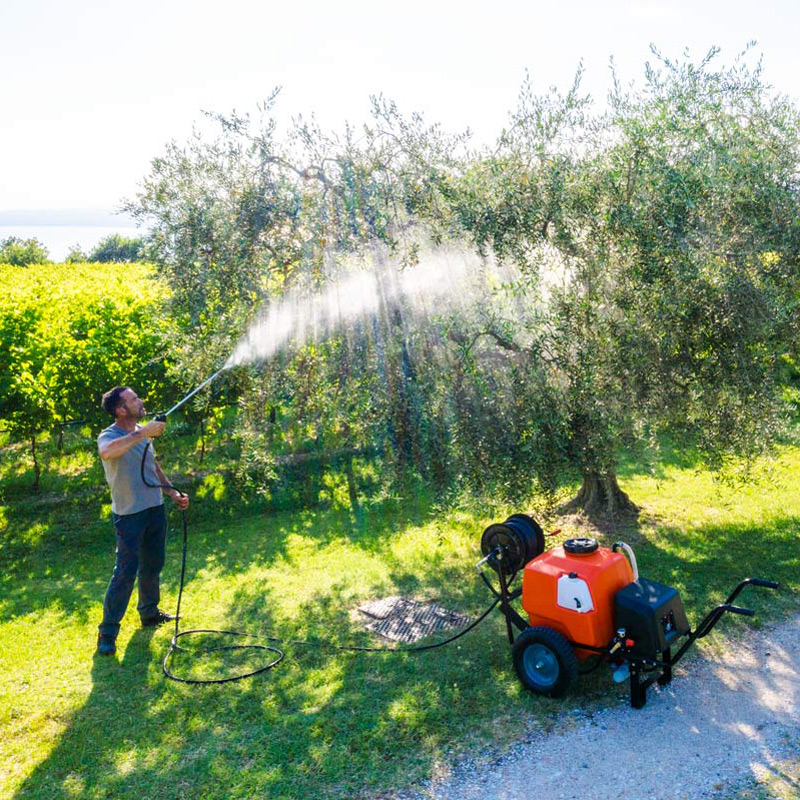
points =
(520, 538)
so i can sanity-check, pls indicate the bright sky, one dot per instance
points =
(91, 90)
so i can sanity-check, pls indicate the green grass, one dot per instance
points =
(779, 780)
(323, 723)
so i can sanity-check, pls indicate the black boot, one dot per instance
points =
(106, 644)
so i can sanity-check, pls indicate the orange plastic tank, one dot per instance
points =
(573, 592)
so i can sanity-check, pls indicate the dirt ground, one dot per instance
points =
(728, 726)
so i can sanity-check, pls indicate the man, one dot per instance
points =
(138, 512)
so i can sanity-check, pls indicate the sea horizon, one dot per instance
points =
(61, 229)
(60, 239)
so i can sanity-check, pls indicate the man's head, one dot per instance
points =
(123, 403)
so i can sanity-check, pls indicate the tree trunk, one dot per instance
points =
(600, 495)
(36, 470)
(202, 441)
(352, 489)
(404, 427)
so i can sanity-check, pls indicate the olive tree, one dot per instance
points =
(658, 244)
(238, 220)
(652, 244)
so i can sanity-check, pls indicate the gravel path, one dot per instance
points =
(723, 719)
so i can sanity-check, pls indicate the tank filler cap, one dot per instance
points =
(580, 547)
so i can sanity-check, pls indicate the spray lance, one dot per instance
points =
(163, 417)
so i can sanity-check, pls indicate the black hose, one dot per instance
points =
(591, 668)
(173, 646)
(178, 633)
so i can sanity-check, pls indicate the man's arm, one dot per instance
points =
(179, 498)
(118, 447)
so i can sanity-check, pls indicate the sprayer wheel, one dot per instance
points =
(545, 661)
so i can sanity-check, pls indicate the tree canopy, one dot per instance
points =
(661, 238)
(641, 273)
(21, 252)
(116, 248)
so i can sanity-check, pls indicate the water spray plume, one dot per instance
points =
(438, 281)
(435, 282)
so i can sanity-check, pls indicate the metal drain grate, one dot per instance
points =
(404, 620)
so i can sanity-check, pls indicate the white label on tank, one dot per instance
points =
(574, 593)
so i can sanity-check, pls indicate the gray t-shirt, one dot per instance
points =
(124, 474)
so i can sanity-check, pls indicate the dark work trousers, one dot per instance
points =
(141, 539)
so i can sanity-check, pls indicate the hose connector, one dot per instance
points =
(631, 557)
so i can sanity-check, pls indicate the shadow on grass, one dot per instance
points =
(112, 715)
(342, 724)
(63, 551)
(51, 552)
(706, 563)
(323, 723)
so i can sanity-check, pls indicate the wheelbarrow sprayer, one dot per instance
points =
(584, 601)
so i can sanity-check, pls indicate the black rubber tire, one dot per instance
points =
(545, 661)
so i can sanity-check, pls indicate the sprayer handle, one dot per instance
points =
(160, 418)
(765, 584)
(747, 612)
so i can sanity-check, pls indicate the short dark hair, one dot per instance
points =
(112, 399)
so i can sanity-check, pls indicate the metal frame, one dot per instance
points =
(660, 664)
